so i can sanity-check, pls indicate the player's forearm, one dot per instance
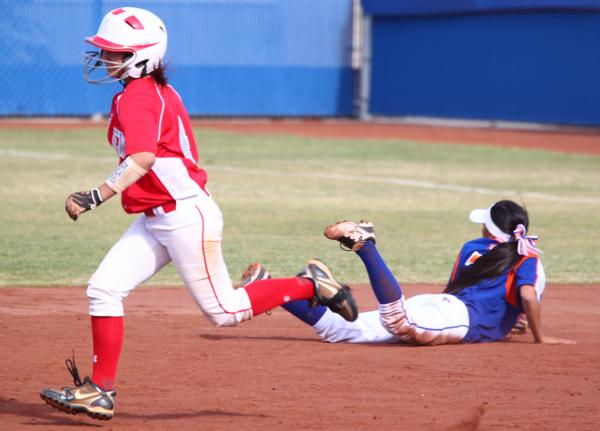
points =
(106, 192)
(130, 171)
(144, 162)
(533, 310)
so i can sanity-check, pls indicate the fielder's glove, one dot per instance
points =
(80, 202)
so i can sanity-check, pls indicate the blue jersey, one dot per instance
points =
(494, 304)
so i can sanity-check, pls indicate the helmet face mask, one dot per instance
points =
(98, 70)
(126, 30)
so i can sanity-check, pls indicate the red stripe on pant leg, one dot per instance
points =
(108, 339)
(267, 294)
(208, 272)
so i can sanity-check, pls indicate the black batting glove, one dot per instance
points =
(87, 200)
(80, 202)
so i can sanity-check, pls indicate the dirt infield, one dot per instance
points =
(178, 372)
(582, 141)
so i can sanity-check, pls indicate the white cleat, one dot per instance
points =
(351, 235)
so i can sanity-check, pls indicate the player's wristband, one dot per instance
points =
(96, 197)
(125, 175)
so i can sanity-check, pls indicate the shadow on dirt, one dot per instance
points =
(41, 414)
(269, 338)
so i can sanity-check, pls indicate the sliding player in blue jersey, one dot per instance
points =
(495, 279)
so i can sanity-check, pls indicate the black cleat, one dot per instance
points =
(86, 397)
(336, 296)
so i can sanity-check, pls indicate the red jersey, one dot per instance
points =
(147, 117)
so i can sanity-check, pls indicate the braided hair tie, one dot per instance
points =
(525, 244)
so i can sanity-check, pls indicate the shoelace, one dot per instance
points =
(73, 370)
(525, 244)
(344, 247)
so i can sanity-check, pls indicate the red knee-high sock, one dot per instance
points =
(108, 339)
(267, 294)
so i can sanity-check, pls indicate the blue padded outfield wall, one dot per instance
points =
(507, 60)
(225, 57)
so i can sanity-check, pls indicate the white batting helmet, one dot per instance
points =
(130, 30)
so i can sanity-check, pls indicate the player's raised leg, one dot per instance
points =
(422, 319)
(360, 238)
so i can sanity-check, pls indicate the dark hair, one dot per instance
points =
(159, 75)
(506, 215)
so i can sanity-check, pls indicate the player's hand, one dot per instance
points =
(80, 202)
(555, 340)
(521, 325)
(72, 209)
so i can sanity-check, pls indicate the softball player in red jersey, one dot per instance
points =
(158, 177)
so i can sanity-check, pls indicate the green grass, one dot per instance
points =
(277, 193)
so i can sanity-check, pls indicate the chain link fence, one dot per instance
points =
(226, 57)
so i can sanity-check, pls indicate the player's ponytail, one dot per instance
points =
(159, 75)
(507, 215)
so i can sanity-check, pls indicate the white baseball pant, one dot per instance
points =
(190, 237)
(428, 319)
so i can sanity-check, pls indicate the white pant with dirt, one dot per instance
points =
(190, 237)
(428, 319)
